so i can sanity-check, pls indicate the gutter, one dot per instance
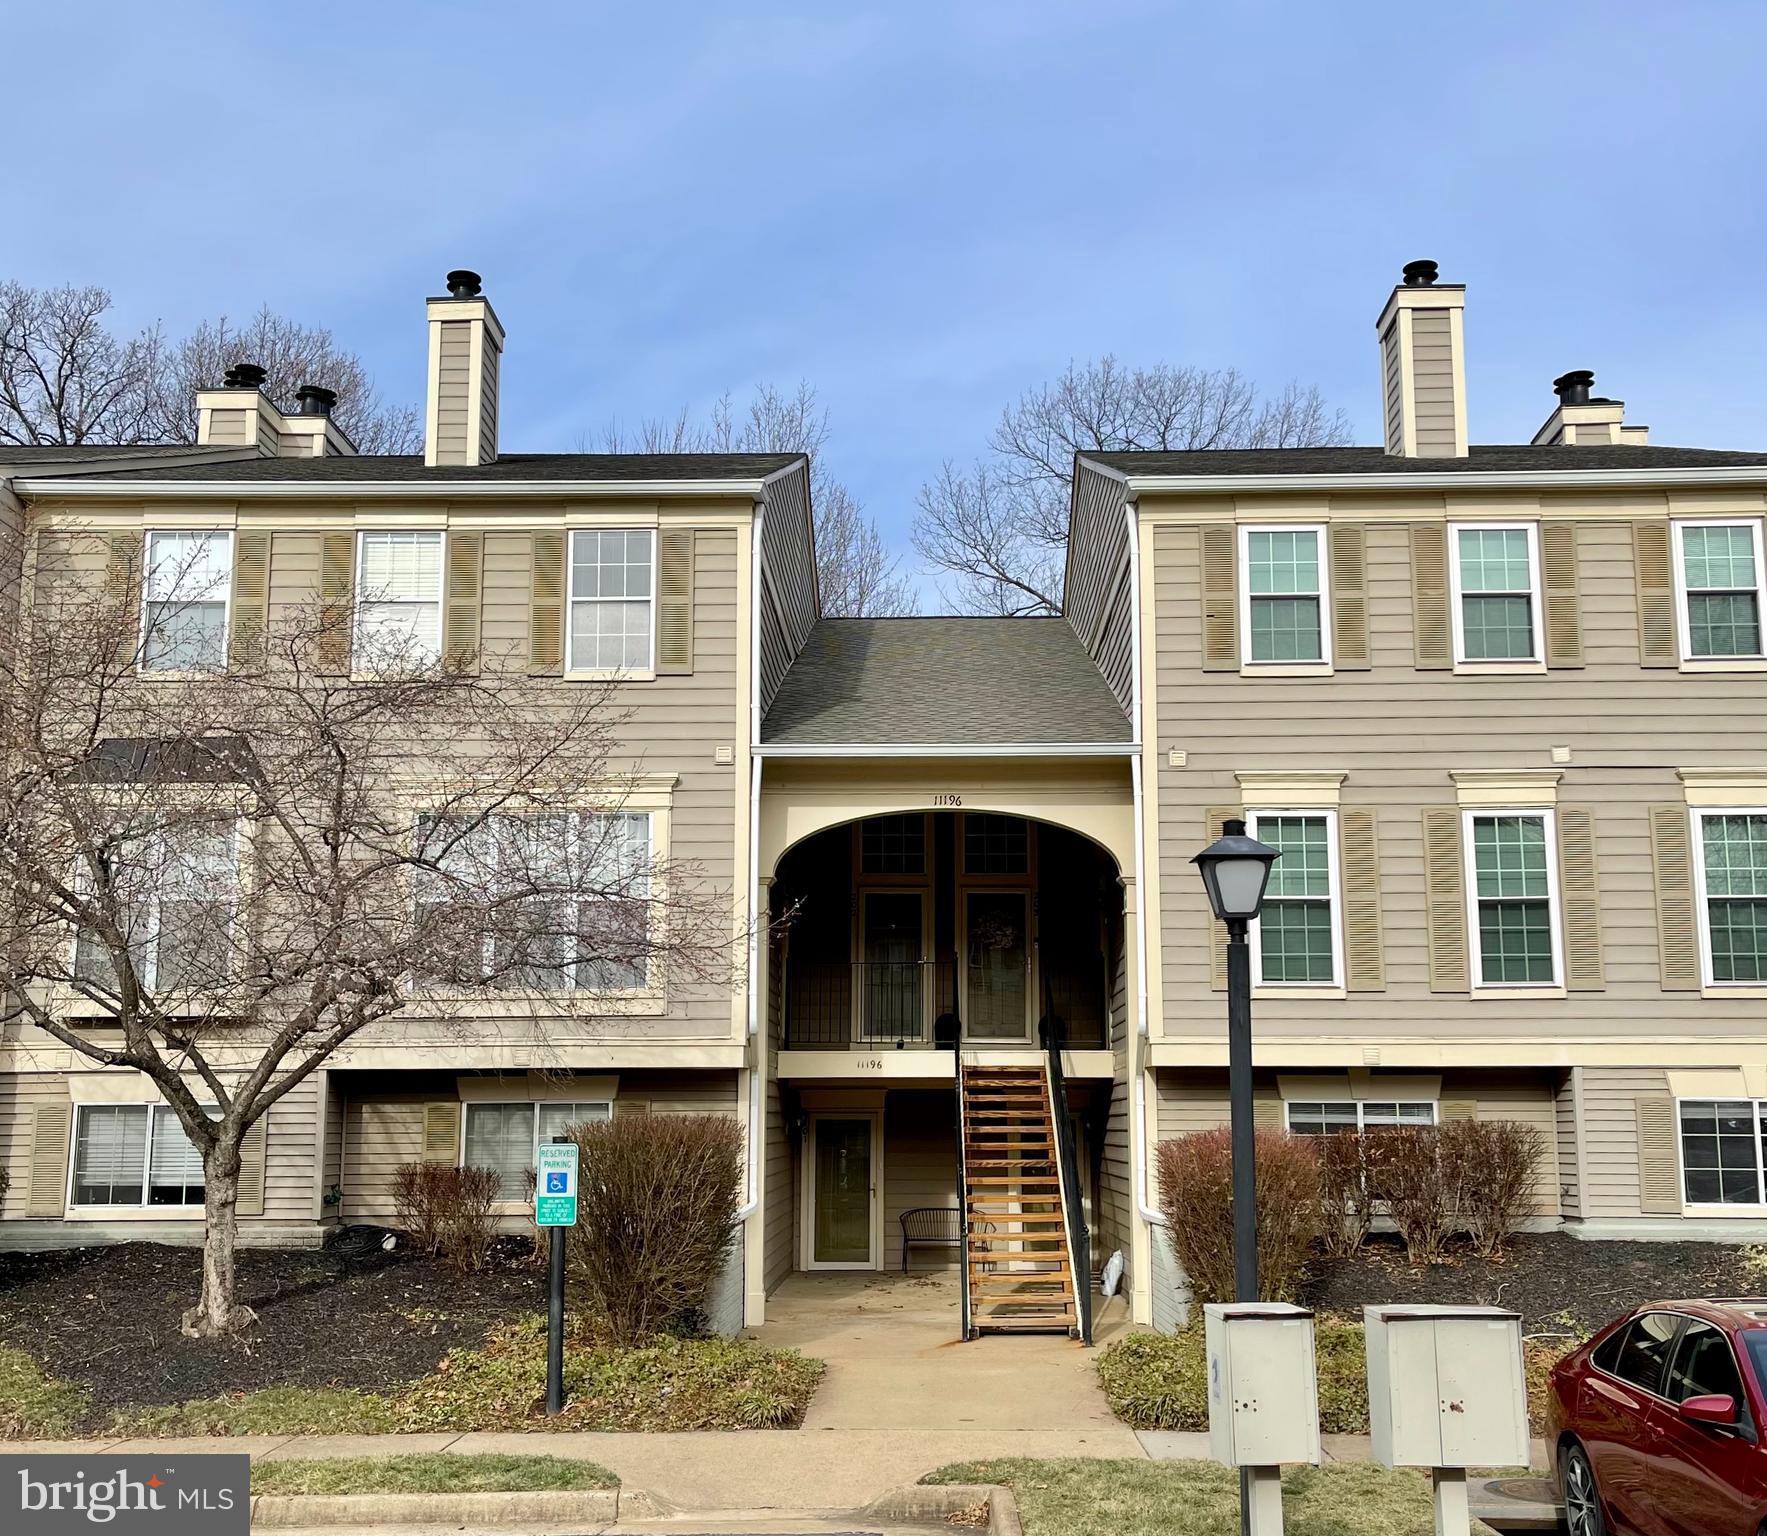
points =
(1520, 479)
(306, 490)
(757, 921)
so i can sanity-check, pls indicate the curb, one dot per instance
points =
(597, 1506)
(933, 1503)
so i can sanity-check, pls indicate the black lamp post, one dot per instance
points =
(1235, 870)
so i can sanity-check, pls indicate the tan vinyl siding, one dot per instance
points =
(779, 1218)
(454, 393)
(488, 403)
(788, 596)
(920, 1168)
(1098, 601)
(20, 1096)
(1610, 1135)
(1432, 379)
(1393, 388)
(1567, 1130)
(1115, 1216)
(232, 429)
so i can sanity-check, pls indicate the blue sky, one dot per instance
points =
(923, 209)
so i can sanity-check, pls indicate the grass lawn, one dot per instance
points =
(1190, 1498)
(440, 1473)
(34, 1405)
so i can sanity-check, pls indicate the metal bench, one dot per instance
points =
(931, 1226)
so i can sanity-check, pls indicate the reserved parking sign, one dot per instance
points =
(555, 1185)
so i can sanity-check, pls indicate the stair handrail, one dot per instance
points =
(966, 1332)
(1073, 1205)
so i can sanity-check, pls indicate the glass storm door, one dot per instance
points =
(844, 1180)
(997, 965)
(890, 988)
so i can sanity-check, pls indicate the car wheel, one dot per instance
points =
(1582, 1498)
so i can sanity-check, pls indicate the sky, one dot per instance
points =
(921, 209)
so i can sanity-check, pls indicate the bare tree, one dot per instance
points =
(218, 880)
(67, 378)
(999, 530)
(857, 575)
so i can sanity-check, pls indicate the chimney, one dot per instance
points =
(1423, 366)
(310, 433)
(1582, 418)
(465, 350)
(240, 415)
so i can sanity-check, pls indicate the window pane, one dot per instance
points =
(197, 887)
(995, 845)
(1305, 866)
(1497, 628)
(1316, 1119)
(404, 565)
(1645, 1350)
(1723, 624)
(1515, 941)
(501, 1137)
(556, 1119)
(893, 845)
(184, 637)
(110, 1154)
(1283, 562)
(1719, 1152)
(610, 636)
(175, 1171)
(189, 566)
(1510, 855)
(613, 944)
(1294, 941)
(1286, 629)
(1720, 558)
(1494, 560)
(1704, 1366)
(404, 633)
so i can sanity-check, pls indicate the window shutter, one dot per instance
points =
(674, 600)
(1445, 900)
(1349, 596)
(1267, 1114)
(1677, 932)
(1217, 930)
(49, 1152)
(441, 1133)
(122, 587)
(461, 626)
(252, 1156)
(1558, 586)
(1364, 960)
(1458, 1109)
(1659, 1161)
(1659, 642)
(337, 596)
(1220, 598)
(1432, 633)
(251, 596)
(546, 603)
(1579, 897)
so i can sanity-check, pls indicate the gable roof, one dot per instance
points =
(943, 681)
(409, 467)
(1526, 458)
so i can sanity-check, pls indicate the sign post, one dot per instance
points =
(555, 1206)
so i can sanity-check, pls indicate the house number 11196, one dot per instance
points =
(946, 798)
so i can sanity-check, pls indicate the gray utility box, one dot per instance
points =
(1445, 1386)
(1263, 1394)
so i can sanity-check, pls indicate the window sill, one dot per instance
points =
(1748, 992)
(133, 1213)
(613, 675)
(1734, 1212)
(584, 1005)
(1725, 664)
(1272, 991)
(1285, 669)
(1515, 994)
(1500, 669)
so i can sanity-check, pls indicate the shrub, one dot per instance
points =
(1349, 1176)
(1501, 1164)
(417, 1203)
(447, 1210)
(1420, 1187)
(1196, 1197)
(655, 1217)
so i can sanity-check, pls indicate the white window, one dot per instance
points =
(504, 1137)
(133, 1154)
(1496, 574)
(1719, 573)
(1730, 874)
(398, 598)
(612, 599)
(1323, 1117)
(1284, 609)
(1721, 1151)
(1512, 898)
(1295, 939)
(184, 600)
(177, 888)
(584, 924)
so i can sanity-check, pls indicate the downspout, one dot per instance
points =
(757, 923)
(1140, 1169)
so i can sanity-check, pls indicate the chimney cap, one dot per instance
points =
(244, 376)
(315, 400)
(1573, 388)
(463, 284)
(1419, 274)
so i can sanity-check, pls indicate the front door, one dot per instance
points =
(892, 978)
(997, 965)
(842, 1204)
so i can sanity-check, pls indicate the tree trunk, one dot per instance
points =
(218, 1311)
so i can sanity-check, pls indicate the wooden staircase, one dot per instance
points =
(1021, 1274)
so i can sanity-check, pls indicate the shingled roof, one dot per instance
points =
(1480, 459)
(401, 467)
(946, 681)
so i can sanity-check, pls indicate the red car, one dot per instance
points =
(1657, 1423)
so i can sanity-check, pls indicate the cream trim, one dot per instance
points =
(537, 1087)
(1723, 788)
(433, 393)
(1359, 1085)
(1457, 340)
(1716, 1083)
(1289, 790)
(1522, 788)
(333, 490)
(1534, 1049)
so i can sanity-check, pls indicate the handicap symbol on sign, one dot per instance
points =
(556, 1184)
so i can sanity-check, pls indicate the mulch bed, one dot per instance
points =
(349, 1316)
(1559, 1284)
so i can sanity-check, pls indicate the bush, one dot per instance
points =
(1349, 1178)
(1501, 1163)
(446, 1210)
(1420, 1187)
(1196, 1198)
(655, 1217)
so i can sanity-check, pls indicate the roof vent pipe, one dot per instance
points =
(1419, 274)
(315, 400)
(1573, 388)
(244, 376)
(463, 284)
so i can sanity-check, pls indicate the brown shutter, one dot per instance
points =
(460, 629)
(122, 588)
(1432, 632)
(674, 600)
(1579, 899)
(251, 597)
(1459, 1109)
(47, 1194)
(1659, 641)
(1659, 1161)
(337, 597)
(1678, 958)
(1558, 586)
(1445, 900)
(546, 603)
(1220, 543)
(1267, 1114)
(1349, 596)
(441, 1132)
(1217, 930)
(253, 1153)
(1364, 960)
